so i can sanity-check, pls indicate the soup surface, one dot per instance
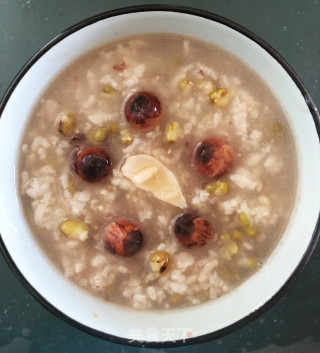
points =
(158, 172)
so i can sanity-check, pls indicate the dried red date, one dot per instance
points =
(122, 238)
(192, 230)
(143, 111)
(91, 164)
(213, 157)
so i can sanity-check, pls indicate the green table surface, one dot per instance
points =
(292, 325)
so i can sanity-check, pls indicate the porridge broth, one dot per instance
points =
(204, 93)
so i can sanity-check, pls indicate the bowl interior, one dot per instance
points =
(123, 322)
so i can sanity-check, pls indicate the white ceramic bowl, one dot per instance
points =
(175, 327)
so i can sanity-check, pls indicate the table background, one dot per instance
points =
(292, 325)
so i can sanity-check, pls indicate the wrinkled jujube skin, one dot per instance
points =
(92, 164)
(192, 230)
(122, 238)
(213, 157)
(143, 111)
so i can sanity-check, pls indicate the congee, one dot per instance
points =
(158, 172)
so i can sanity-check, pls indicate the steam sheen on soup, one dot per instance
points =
(158, 172)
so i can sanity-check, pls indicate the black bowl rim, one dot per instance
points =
(313, 110)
